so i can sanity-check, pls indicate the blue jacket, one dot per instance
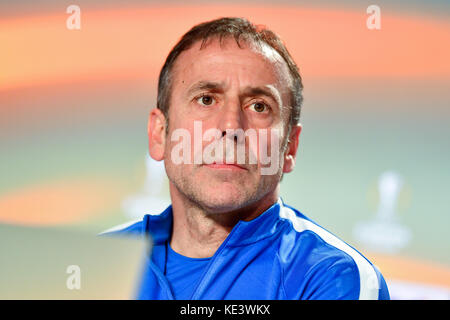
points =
(279, 255)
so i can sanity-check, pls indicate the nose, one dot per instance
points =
(231, 120)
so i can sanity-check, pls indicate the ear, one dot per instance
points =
(291, 150)
(156, 134)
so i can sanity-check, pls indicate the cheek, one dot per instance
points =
(190, 139)
(267, 146)
(179, 141)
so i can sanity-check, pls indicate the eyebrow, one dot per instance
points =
(262, 91)
(205, 85)
(248, 91)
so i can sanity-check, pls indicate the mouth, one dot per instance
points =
(225, 166)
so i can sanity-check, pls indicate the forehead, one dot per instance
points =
(223, 61)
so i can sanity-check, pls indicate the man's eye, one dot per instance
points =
(206, 100)
(259, 107)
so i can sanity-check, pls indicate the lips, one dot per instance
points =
(225, 166)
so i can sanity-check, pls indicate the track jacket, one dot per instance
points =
(281, 254)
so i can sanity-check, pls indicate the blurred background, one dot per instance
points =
(76, 87)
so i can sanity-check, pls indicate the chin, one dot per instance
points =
(224, 199)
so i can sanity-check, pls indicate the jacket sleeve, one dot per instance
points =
(337, 279)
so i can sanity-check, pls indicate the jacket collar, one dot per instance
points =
(159, 226)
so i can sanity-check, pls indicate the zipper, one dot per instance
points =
(207, 273)
(160, 276)
(162, 281)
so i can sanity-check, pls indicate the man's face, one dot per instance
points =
(224, 87)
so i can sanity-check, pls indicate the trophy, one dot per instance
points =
(384, 232)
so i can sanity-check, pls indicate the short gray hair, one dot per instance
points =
(238, 28)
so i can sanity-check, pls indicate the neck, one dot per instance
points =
(198, 233)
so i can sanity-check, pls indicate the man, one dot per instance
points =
(228, 86)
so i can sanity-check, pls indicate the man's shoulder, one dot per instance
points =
(130, 228)
(312, 238)
(157, 226)
(319, 254)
